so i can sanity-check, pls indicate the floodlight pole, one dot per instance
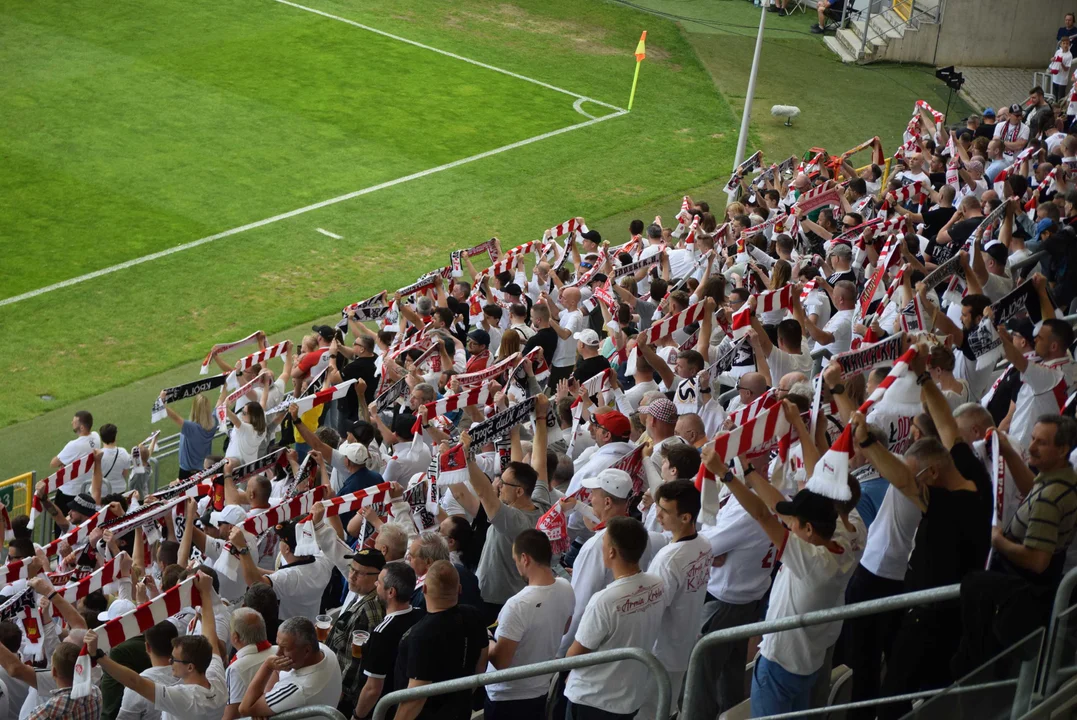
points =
(742, 139)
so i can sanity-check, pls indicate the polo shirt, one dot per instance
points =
(317, 684)
(240, 672)
(135, 707)
(1047, 519)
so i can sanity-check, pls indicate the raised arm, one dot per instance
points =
(484, 489)
(656, 362)
(754, 505)
(890, 466)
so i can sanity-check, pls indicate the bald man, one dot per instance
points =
(565, 320)
(837, 335)
(787, 381)
(541, 281)
(690, 427)
(449, 642)
(750, 387)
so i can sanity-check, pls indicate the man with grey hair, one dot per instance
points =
(392, 542)
(252, 649)
(395, 585)
(424, 550)
(308, 673)
(837, 335)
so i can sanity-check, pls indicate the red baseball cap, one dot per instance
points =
(615, 422)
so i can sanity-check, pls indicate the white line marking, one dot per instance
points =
(329, 234)
(299, 211)
(446, 53)
(578, 107)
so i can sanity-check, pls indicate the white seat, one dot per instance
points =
(743, 711)
(841, 690)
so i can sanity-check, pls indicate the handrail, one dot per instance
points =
(693, 679)
(601, 657)
(314, 711)
(1048, 682)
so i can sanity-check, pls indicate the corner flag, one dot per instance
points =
(641, 52)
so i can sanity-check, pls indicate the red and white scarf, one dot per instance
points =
(131, 625)
(262, 355)
(98, 579)
(74, 472)
(672, 324)
(225, 347)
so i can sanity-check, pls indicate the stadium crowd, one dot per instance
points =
(603, 443)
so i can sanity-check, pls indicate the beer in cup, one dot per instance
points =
(322, 623)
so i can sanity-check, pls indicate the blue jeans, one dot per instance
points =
(776, 690)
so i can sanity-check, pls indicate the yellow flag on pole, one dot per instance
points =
(641, 51)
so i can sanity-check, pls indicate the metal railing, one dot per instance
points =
(314, 711)
(694, 679)
(381, 710)
(1057, 628)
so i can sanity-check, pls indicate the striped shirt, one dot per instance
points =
(1047, 519)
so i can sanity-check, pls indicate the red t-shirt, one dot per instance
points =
(311, 359)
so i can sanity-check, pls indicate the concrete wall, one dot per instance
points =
(987, 33)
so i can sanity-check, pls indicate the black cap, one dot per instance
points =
(368, 557)
(998, 252)
(327, 333)
(83, 502)
(402, 425)
(593, 235)
(480, 336)
(599, 278)
(1024, 328)
(286, 532)
(457, 307)
(809, 506)
(512, 289)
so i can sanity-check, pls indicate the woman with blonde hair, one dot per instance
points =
(248, 431)
(510, 343)
(196, 435)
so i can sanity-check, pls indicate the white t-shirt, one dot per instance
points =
(405, 461)
(841, 327)
(244, 443)
(1010, 133)
(240, 672)
(782, 363)
(299, 586)
(891, 535)
(627, 613)
(73, 450)
(194, 702)
(114, 463)
(682, 262)
(135, 707)
(565, 354)
(635, 394)
(317, 684)
(231, 590)
(1044, 388)
(532, 618)
(811, 577)
(684, 567)
(744, 577)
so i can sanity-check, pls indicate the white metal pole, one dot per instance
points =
(742, 140)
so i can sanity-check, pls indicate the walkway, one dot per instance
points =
(995, 87)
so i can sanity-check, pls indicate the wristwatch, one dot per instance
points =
(869, 442)
(837, 389)
(749, 469)
(728, 477)
(98, 655)
(705, 391)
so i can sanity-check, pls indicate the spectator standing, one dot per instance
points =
(987, 127)
(1067, 30)
(523, 495)
(115, 462)
(158, 640)
(396, 583)
(684, 566)
(626, 613)
(449, 642)
(525, 631)
(85, 442)
(294, 579)
(196, 434)
(308, 673)
(196, 663)
(60, 705)
(363, 612)
(1014, 597)
(252, 647)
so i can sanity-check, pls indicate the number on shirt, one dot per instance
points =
(768, 559)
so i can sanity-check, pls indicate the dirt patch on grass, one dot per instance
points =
(588, 40)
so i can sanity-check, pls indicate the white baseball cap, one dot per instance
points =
(231, 514)
(117, 608)
(587, 337)
(617, 483)
(358, 453)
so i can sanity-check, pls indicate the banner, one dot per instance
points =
(374, 312)
(501, 424)
(184, 391)
(1022, 298)
(633, 268)
(857, 362)
(944, 272)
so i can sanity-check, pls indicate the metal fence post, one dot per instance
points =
(381, 710)
(1056, 630)
(864, 37)
(314, 711)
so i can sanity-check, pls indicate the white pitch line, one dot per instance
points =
(299, 211)
(329, 234)
(446, 53)
(578, 107)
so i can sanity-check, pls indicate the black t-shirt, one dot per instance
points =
(936, 219)
(379, 655)
(1006, 391)
(954, 535)
(364, 368)
(443, 646)
(941, 253)
(545, 338)
(961, 230)
(985, 131)
(937, 179)
(587, 368)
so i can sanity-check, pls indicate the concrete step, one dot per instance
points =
(875, 39)
(851, 40)
(838, 49)
(888, 24)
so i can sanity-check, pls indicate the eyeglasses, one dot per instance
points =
(508, 484)
(360, 572)
(173, 660)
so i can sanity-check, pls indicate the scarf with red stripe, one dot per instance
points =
(225, 347)
(74, 472)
